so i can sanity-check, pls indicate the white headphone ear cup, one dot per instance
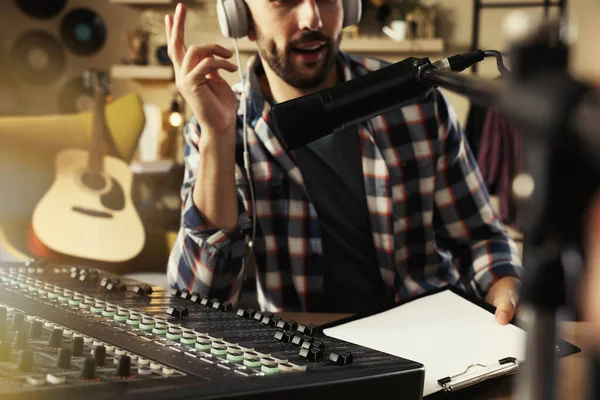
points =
(352, 12)
(233, 18)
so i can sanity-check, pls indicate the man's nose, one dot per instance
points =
(309, 16)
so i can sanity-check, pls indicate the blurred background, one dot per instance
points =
(46, 105)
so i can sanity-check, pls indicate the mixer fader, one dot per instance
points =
(69, 331)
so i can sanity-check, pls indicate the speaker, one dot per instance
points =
(233, 16)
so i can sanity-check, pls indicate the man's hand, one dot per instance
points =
(504, 296)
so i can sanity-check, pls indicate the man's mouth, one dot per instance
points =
(309, 48)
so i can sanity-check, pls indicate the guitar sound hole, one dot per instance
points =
(93, 180)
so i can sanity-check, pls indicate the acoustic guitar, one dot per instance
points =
(88, 212)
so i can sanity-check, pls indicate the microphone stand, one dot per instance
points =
(560, 176)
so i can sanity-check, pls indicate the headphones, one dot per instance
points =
(233, 16)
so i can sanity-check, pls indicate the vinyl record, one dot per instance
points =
(37, 58)
(74, 97)
(83, 31)
(41, 9)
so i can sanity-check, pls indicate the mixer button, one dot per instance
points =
(287, 325)
(56, 379)
(142, 290)
(177, 313)
(88, 369)
(285, 367)
(284, 336)
(175, 292)
(299, 340)
(313, 354)
(243, 313)
(258, 316)
(26, 361)
(195, 297)
(308, 329)
(206, 302)
(124, 366)
(226, 306)
(216, 304)
(341, 358)
(269, 369)
(64, 358)
(185, 294)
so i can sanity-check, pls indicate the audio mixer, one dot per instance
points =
(74, 332)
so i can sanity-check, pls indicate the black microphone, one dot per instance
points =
(308, 118)
(305, 119)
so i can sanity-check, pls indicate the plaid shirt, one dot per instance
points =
(432, 220)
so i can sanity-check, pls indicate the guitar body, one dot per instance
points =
(89, 215)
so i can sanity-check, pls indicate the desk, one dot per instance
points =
(572, 369)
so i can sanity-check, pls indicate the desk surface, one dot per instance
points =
(572, 369)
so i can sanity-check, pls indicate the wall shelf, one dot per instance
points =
(143, 72)
(144, 2)
(368, 45)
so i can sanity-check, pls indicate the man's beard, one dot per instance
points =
(313, 74)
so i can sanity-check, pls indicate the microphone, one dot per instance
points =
(305, 119)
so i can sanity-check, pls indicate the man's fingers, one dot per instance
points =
(168, 27)
(177, 43)
(209, 65)
(505, 310)
(196, 53)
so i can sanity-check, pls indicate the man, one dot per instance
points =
(350, 223)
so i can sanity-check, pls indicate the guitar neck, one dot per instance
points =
(97, 150)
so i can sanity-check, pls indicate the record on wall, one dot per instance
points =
(83, 31)
(37, 58)
(41, 9)
(74, 97)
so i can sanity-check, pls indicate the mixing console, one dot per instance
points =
(72, 332)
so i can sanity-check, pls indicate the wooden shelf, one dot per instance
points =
(368, 45)
(144, 72)
(144, 2)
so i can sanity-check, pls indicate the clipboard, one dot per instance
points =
(470, 376)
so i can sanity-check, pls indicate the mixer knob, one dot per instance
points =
(104, 282)
(55, 337)
(64, 358)
(100, 355)
(26, 361)
(5, 351)
(77, 346)
(35, 330)
(313, 354)
(341, 358)
(20, 341)
(124, 366)
(88, 370)
(17, 323)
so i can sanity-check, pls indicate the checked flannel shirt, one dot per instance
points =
(431, 216)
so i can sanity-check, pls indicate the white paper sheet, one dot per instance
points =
(444, 332)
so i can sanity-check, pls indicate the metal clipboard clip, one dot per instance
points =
(505, 366)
